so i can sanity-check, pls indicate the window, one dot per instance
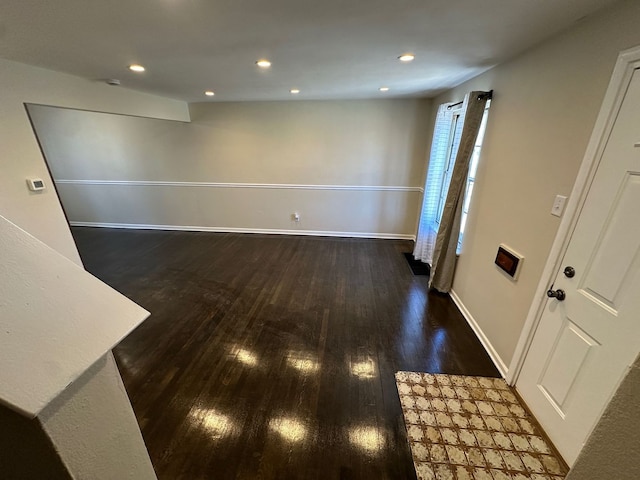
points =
(454, 133)
(471, 178)
(447, 133)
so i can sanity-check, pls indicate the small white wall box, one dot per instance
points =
(509, 260)
(35, 184)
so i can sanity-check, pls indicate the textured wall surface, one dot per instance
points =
(57, 320)
(94, 428)
(612, 450)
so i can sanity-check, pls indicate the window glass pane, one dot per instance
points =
(483, 124)
(467, 197)
(463, 223)
(483, 127)
(473, 165)
(473, 169)
(454, 141)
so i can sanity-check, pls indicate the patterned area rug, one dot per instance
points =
(472, 428)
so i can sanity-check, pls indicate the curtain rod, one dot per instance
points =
(488, 95)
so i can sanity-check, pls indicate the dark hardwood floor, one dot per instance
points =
(273, 357)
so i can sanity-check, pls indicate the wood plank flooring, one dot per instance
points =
(273, 357)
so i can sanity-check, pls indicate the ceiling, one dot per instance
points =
(329, 49)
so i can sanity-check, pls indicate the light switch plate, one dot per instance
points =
(558, 205)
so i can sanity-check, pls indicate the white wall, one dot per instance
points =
(20, 156)
(611, 451)
(100, 395)
(95, 431)
(544, 108)
(271, 157)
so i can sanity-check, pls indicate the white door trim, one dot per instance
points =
(628, 61)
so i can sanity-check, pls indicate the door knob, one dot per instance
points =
(569, 272)
(557, 294)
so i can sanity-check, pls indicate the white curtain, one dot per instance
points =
(444, 255)
(443, 146)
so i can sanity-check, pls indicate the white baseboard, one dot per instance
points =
(500, 365)
(269, 231)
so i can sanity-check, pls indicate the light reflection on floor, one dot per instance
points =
(364, 370)
(303, 363)
(438, 346)
(289, 428)
(245, 356)
(215, 423)
(413, 315)
(367, 438)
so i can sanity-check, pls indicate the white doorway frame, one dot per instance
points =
(628, 61)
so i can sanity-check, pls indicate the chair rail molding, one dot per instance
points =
(278, 186)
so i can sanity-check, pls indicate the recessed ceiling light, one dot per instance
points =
(295, 91)
(384, 89)
(209, 93)
(136, 68)
(407, 57)
(263, 63)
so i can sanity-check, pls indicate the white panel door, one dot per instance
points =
(584, 344)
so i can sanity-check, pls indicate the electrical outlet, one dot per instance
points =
(558, 205)
(295, 217)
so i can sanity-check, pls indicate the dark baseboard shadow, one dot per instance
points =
(417, 267)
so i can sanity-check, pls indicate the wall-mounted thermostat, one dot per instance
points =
(509, 260)
(35, 184)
